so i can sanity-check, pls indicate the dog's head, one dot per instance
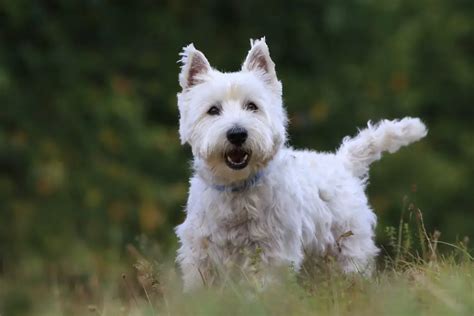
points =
(234, 122)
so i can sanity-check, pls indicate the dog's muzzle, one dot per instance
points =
(237, 158)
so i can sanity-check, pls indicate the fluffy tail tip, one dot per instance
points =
(411, 129)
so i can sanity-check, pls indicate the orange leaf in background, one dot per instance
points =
(121, 85)
(19, 138)
(150, 216)
(51, 177)
(44, 187)
(178, 191)
(319, 111)
(399, 82)
(117, 211)
(296, 119)
(109, 138)
(380, 203)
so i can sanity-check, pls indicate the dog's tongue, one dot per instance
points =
(237, 155)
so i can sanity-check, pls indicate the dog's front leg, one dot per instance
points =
(196, 265)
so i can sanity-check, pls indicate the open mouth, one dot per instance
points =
(237, 158)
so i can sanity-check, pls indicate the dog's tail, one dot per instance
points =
(360, 151)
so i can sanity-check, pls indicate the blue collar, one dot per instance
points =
(239, 186)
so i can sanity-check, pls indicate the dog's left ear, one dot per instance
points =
(194, 67)
(258, 60)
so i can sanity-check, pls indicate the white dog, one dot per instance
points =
(251, 195)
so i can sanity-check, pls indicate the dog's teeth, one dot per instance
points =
(239, 163)
(231, 161)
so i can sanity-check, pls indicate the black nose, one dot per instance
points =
(237, 135)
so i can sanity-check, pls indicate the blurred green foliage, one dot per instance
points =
(89, 152)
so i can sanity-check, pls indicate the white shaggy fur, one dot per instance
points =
(285, 203)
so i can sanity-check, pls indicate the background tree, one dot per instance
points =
(89, 151)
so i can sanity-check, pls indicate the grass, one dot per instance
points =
(419, 275)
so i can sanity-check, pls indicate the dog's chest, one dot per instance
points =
(246, 224)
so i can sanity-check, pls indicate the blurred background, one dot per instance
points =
(90, 159)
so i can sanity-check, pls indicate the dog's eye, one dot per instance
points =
(214, 110)
(251, 107)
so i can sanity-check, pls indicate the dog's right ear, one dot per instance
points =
(194, 67)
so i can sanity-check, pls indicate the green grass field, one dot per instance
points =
(441, 288)
(418, 275)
